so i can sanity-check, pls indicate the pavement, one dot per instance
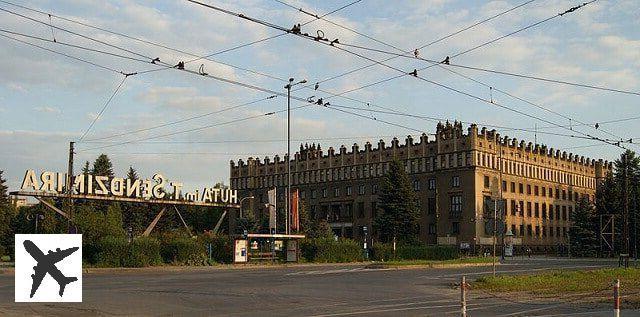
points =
(316, 290)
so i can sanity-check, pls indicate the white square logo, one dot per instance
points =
(48, 268)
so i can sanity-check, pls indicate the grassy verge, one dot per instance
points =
(474, 260)
(590, 285)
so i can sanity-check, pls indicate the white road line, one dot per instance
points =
(356, 270)
(516, 271)
(373, 311)
(599, 312)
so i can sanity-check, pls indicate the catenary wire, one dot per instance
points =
(268, 24)
(104, 107)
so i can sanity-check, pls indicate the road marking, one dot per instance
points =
(599, 313)
(373, 311)
(356, 270)
(515, 271)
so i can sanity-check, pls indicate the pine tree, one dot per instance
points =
(86, 170)
(583, 233)
(102, 166)
(7, 215)
(4, 197)
(399, 214)
(132, 174)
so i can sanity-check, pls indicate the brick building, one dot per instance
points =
(455, 175)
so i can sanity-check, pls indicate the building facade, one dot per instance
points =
(456, 176)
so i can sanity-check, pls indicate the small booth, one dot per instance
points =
(254, 247)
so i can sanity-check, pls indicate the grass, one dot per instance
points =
(5, 258)
(436, 262)
(586, 285)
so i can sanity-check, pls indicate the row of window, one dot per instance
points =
(533, 171)
(540, 231)
(540, 210)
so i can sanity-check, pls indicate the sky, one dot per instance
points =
(48, 100)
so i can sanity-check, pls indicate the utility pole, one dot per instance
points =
(495, 222)
(503, 205)
(626, 203)
(70, 186)
(288, 202)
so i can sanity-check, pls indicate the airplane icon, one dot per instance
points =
(46, 264)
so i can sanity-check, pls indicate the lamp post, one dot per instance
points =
(241, 200)
(288, 203)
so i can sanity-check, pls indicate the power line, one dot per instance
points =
(106, 104)
(325, 41)
(64, 54)
(429, 43)
(257, 141)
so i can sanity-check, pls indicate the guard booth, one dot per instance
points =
(256, 247)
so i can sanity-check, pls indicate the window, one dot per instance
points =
(528, 189)
(513, 230)
(528, 209)
(513, 208)
(487, 183)
(432, 183)
(348, 190)
(535, 190)
(521, 230)
(455, 181)
(455, 227)
(513, 187)
(504, 186)
(361, 209)
(456, 204)
(570, 195)
(569, 213)
(361, 190)
(550, 212)
(416, 185)
(432, 228)
(544, 211)
(520, 188)
(529, 231)
(564, 212)
(336, 192)
(313, 194)
(431, 205)
(303, 194)
(324, 193)
(550, 192)
(521, 209)
(537, 210)
(537, 231)
(374, 189)
(551, 231)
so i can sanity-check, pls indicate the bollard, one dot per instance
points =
(616, 298)
(463, 299)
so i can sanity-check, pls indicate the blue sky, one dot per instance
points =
(47, 100)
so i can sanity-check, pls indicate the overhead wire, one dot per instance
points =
(104, 107)
(463, 52)
(325, 42)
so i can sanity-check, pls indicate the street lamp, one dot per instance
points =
(37, 217)
(241, 200)
(288, 203)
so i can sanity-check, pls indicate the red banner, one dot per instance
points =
(295, 218)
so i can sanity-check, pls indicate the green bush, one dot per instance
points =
(183, 250)
(143, 251)
(118, 252)
(384, 252)
(221, 247)
(2, 251)
(328, 250)
(111, 251)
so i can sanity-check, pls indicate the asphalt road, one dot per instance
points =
(332, 290)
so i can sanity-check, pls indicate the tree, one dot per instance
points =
(86, 170)
(102, 166)
(7, 214)
(583, 233)
(311, 227)
(399, 213)
(132, 174)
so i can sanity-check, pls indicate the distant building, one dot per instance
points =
(454, 175)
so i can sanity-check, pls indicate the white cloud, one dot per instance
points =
(48, 109)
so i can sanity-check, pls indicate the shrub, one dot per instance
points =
(384, 252)
(329, 250)
(182, 250)
(118, 252)
(111, 251)
(143, 251)
(221, 247)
